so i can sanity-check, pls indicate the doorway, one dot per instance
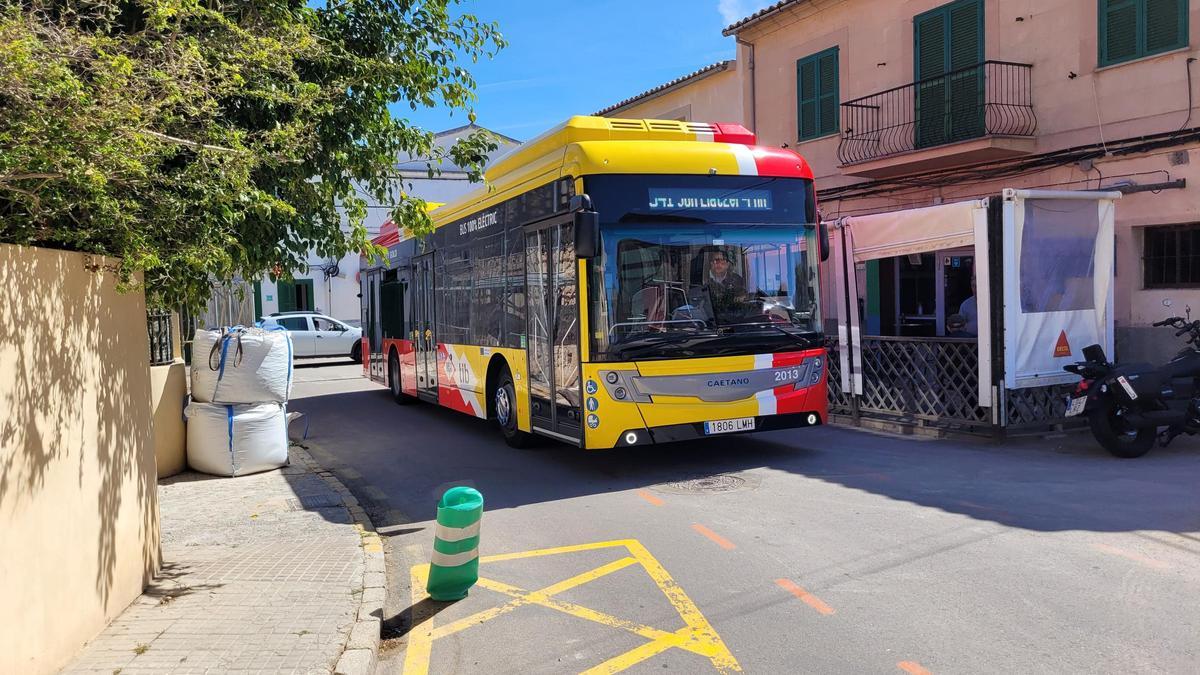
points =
(554, 391)
(424, 335)
(295, 295)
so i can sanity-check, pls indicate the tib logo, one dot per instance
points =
(1062, 347)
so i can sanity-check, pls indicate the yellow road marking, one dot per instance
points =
(554, 551)
(525, 598)
(420, 645)
(630, 658)
(698, 636)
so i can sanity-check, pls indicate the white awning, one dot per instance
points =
(935, 228)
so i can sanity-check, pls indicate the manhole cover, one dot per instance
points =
(721, 482)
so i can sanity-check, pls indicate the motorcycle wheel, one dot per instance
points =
(1118, 436)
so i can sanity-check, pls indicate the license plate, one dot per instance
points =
(729, 426)
(1075, 406)
(1127, 387)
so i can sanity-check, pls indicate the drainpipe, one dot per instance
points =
(753, 97)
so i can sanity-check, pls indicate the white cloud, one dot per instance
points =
(733, 11)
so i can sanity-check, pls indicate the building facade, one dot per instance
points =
(902, 105)
(710, 94)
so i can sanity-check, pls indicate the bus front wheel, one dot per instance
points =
(506, 413)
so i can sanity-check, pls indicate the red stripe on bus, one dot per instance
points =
(780, 162)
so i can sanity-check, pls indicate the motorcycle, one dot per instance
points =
(1127, 405)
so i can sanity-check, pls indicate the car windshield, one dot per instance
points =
(677, 290)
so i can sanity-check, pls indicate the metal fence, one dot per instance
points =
(928, 379)
(1037, 406)
(840, 402)
(992, 98)
(158, 324)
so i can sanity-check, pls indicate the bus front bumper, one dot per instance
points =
(695, 430)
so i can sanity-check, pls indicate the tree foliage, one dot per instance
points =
(198, 138)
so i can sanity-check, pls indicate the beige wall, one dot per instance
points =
(168, 387)
(712, 98)
(78, 507)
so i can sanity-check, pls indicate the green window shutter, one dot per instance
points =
(827, 106)
(1118, 30)
(930, 32)
(285, 293)
(817, 100)
(965, 20)
(1166, 25)
(1132, 29)
(965, 44)
(806, 86)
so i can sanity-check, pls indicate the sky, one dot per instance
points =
(574, 57)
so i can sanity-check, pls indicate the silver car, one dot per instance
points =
(316, 335)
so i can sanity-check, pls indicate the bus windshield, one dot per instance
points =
(672, 291)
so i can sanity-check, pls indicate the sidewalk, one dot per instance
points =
(274, 572)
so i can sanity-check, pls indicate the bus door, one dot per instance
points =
(373, 327)
(554, 390)
(424, 337)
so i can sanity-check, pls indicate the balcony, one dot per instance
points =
(970, 115)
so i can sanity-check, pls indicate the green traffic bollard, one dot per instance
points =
(455, 567)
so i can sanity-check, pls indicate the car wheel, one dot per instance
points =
(356, 352)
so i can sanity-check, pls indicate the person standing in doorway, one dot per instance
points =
(970, 312)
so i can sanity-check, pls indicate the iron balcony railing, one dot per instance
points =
(994, 98)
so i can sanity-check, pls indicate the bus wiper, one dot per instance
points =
(795, 335)
(644, 344)
(634, 216)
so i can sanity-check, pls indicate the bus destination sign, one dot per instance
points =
(672, 199)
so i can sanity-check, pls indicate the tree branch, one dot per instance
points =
(195, 145)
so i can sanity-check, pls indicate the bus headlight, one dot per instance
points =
(818, 369)
(619, 393)
(612, 377)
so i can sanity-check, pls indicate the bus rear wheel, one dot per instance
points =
(505, 401)
(394, 385)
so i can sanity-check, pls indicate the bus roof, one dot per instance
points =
(585, 145)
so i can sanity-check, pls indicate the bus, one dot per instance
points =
(617, 282)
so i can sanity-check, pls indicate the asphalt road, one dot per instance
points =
(820, 550)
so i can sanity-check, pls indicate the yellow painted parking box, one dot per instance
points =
(697, 636)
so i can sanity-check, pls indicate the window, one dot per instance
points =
(1058, 255)
(817, 95)
(1131, 29)
(487, 289)
(324, 323)
(1171, 256)
(293, 322)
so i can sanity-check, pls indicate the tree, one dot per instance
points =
(220, 137)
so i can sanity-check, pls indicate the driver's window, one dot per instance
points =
(320, 323)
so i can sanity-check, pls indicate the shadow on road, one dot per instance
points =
(1045, 484)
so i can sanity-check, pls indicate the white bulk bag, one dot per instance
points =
(234, 440)
(241, 365)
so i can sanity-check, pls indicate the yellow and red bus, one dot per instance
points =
(618, 282)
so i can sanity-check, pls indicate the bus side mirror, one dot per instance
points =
(823, 240)
(587, 234)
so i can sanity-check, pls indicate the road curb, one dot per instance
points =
(362, 643)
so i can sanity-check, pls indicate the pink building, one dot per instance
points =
(915, 103)
(907, 104)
